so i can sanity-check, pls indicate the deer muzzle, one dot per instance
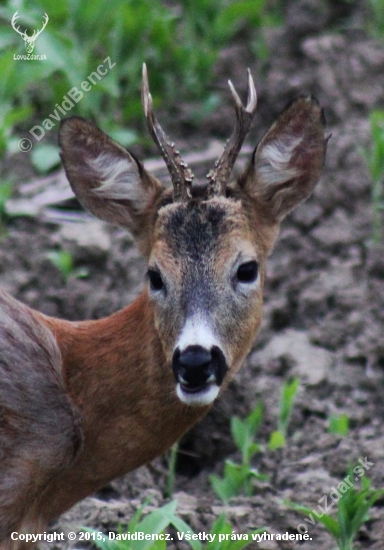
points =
(199, 373)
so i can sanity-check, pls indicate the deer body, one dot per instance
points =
(85, 402)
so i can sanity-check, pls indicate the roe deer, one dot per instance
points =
(82, 403)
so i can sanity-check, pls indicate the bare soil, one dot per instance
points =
(324, 298)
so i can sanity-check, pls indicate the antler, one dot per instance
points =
(219, 176)
(181, 175)
(36, 33)
(13, 23)
(24, 34)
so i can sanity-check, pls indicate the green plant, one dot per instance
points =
(5, 193)
(287, 399)
(238, 478)
(10, 116)
(222, 536)
(63, 260)
(172, 469)
(338, 424)
(180, 43)
(224, 528)
(374, 158)
(352, 512)
(376, 18)
(212, 25)
(153, 524)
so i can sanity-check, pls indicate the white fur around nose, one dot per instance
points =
(205, 397)
(197, 332)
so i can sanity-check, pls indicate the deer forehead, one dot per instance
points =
(198, 232)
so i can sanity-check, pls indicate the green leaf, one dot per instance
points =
(62, 259)
(244, 431)
(255, 418)
(183, 527)
(254, 448)
(137, 515)
(14, 116)
(331, 524)
(223, 487)
(236, 14)
(5, 193)
(276, 440)
(339, 424)
(221, 526)
(155, 523)
(232, 482)
(288, 396)
(240, 432)
(352, 512)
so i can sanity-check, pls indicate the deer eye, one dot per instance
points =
(247, 272)
(155, 280)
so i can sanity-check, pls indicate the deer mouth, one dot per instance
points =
(199, 374)
(186, 388)
(197, 397)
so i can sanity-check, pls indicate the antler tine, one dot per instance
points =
(219, 176)
(181, 175)
(13, 23)
(46, 19)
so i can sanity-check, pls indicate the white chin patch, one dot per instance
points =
(198, 399)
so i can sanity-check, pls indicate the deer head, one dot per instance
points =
(29, 40)
(206, 246)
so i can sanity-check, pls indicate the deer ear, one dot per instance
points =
(287, 162)
(108, 181)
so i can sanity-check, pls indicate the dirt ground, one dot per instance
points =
(324, 298)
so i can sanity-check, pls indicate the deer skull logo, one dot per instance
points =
(29, 40)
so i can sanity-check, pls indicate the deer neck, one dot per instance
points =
(117, 377)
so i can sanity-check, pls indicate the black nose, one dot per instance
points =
(196, 367)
